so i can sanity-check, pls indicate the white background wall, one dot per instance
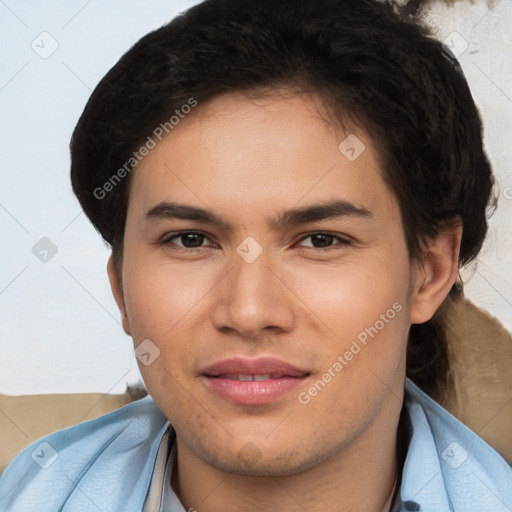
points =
(59, 326)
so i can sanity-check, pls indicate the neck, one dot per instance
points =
(361, 476)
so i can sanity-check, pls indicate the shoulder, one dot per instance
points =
(80, 465)
(458, 468)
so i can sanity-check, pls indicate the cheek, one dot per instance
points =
(361, 325)
(165, 304)
(160, 304)
(361, 322)
(351, 296)
(160, 296)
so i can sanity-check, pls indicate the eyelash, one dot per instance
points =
(168, 240)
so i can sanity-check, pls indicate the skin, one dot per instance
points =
(248, 160)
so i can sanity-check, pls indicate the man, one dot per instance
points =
(289, 189)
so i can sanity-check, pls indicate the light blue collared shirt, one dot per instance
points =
(123, 459)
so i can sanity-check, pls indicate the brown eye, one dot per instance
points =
(324, 240)
(189, 240)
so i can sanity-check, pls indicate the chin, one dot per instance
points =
(250, 461)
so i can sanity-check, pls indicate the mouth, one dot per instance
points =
(245, 378)
(253, 382)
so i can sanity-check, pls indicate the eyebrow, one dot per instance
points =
(303, 215)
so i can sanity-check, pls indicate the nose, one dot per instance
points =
(254, 298)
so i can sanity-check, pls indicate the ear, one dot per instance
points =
(433, 277)
(117, 292)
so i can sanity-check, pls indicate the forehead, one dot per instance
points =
(241, 151)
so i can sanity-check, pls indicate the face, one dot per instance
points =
(316, 301)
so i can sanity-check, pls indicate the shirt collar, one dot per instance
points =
(449, 467)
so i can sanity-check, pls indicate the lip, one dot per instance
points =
(259, 366)
(284, 378)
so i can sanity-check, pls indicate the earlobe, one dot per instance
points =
(117, 292)
(435, 275)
